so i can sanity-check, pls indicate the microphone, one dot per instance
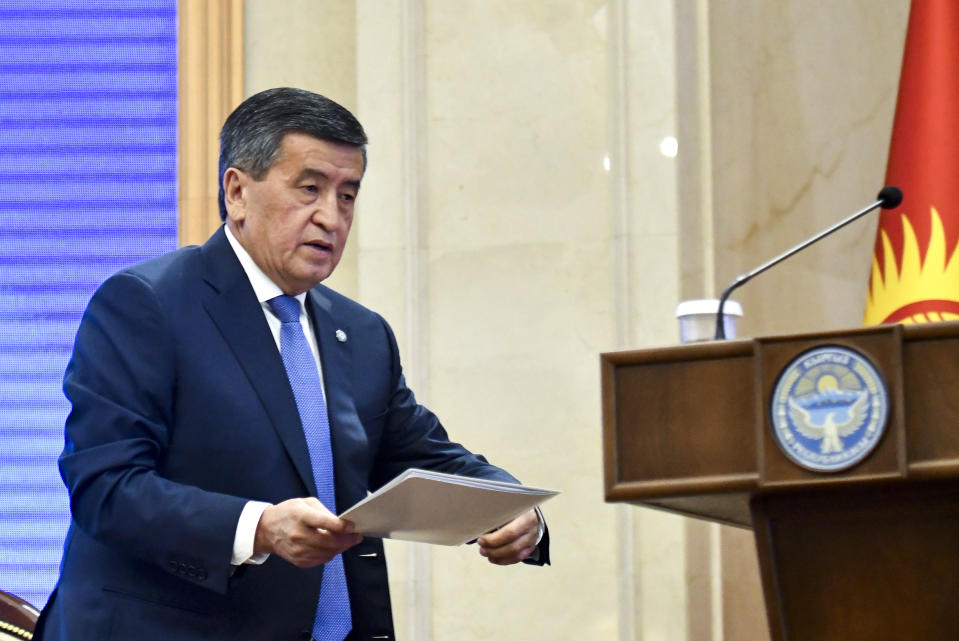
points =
(888, 198)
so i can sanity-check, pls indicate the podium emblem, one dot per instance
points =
(829, 409)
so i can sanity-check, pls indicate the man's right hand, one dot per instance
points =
(303, 532)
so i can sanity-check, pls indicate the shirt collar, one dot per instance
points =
(263, 287)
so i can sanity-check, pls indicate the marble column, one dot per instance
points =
(546, 181)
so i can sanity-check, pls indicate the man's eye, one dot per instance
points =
(310, 189)
(348, 197)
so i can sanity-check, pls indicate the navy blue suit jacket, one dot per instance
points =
(182, 412)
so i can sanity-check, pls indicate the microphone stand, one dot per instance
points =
(720, 330)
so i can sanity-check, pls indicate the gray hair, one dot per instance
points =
(251, 136)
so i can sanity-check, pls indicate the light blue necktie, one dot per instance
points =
(333, 620)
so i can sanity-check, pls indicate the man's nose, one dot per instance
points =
(326, 213)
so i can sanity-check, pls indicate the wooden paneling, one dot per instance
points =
(210, 66)
(881, 345)
(931, 358)
(862, 553)
(877, 564)
(680, 416)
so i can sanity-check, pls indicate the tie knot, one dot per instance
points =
(286, 308)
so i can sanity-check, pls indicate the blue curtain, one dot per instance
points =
(87, 186)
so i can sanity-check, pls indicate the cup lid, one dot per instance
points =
(708, 306)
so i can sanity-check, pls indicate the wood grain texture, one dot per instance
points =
(863, 553)
(210, 86)
(17, 617)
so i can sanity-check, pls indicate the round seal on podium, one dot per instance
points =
(829, 408)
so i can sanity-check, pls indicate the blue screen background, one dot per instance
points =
(88, 133)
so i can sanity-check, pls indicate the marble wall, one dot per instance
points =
(288, 43)
(523, 212)
(803, 100)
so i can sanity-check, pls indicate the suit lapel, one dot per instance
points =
(349, 442)
(237, 314)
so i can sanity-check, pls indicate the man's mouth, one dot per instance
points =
(320, 245)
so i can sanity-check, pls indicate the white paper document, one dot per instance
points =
(445, 509)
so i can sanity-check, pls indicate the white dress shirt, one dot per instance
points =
(265, 289)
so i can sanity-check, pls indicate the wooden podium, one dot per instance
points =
(867, 553)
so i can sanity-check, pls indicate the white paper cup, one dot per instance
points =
(697, 319)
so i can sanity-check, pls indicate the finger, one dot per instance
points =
(518, 548)
(316, 515)
(516, 528)
(525, 540)
(508, 555)
(334, 541)
(502, 536)
(314, 547)
(517, 558)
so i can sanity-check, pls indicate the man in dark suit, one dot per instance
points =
(199, 441)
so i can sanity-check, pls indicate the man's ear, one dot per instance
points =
(234, 193)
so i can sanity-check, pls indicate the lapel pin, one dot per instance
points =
(341, 335)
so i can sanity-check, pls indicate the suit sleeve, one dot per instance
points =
(121, 382)
(415, 438)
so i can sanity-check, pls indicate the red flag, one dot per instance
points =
(915, 269)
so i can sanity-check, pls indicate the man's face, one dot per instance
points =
(295, 220)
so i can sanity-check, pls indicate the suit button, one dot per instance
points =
(305, 635)
(201, 575)
(181, 568)
(172, 565)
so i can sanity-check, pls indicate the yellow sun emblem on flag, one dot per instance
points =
(924, 288)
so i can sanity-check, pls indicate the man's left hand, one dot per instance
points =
(513, 542)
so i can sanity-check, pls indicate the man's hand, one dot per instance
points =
(513, 542)
(303, 532)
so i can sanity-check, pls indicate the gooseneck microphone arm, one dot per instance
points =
(888, 198)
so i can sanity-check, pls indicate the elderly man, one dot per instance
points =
(226, 406)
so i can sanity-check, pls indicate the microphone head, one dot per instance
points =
(890, 197)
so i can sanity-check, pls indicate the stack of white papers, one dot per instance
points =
(445, 509)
